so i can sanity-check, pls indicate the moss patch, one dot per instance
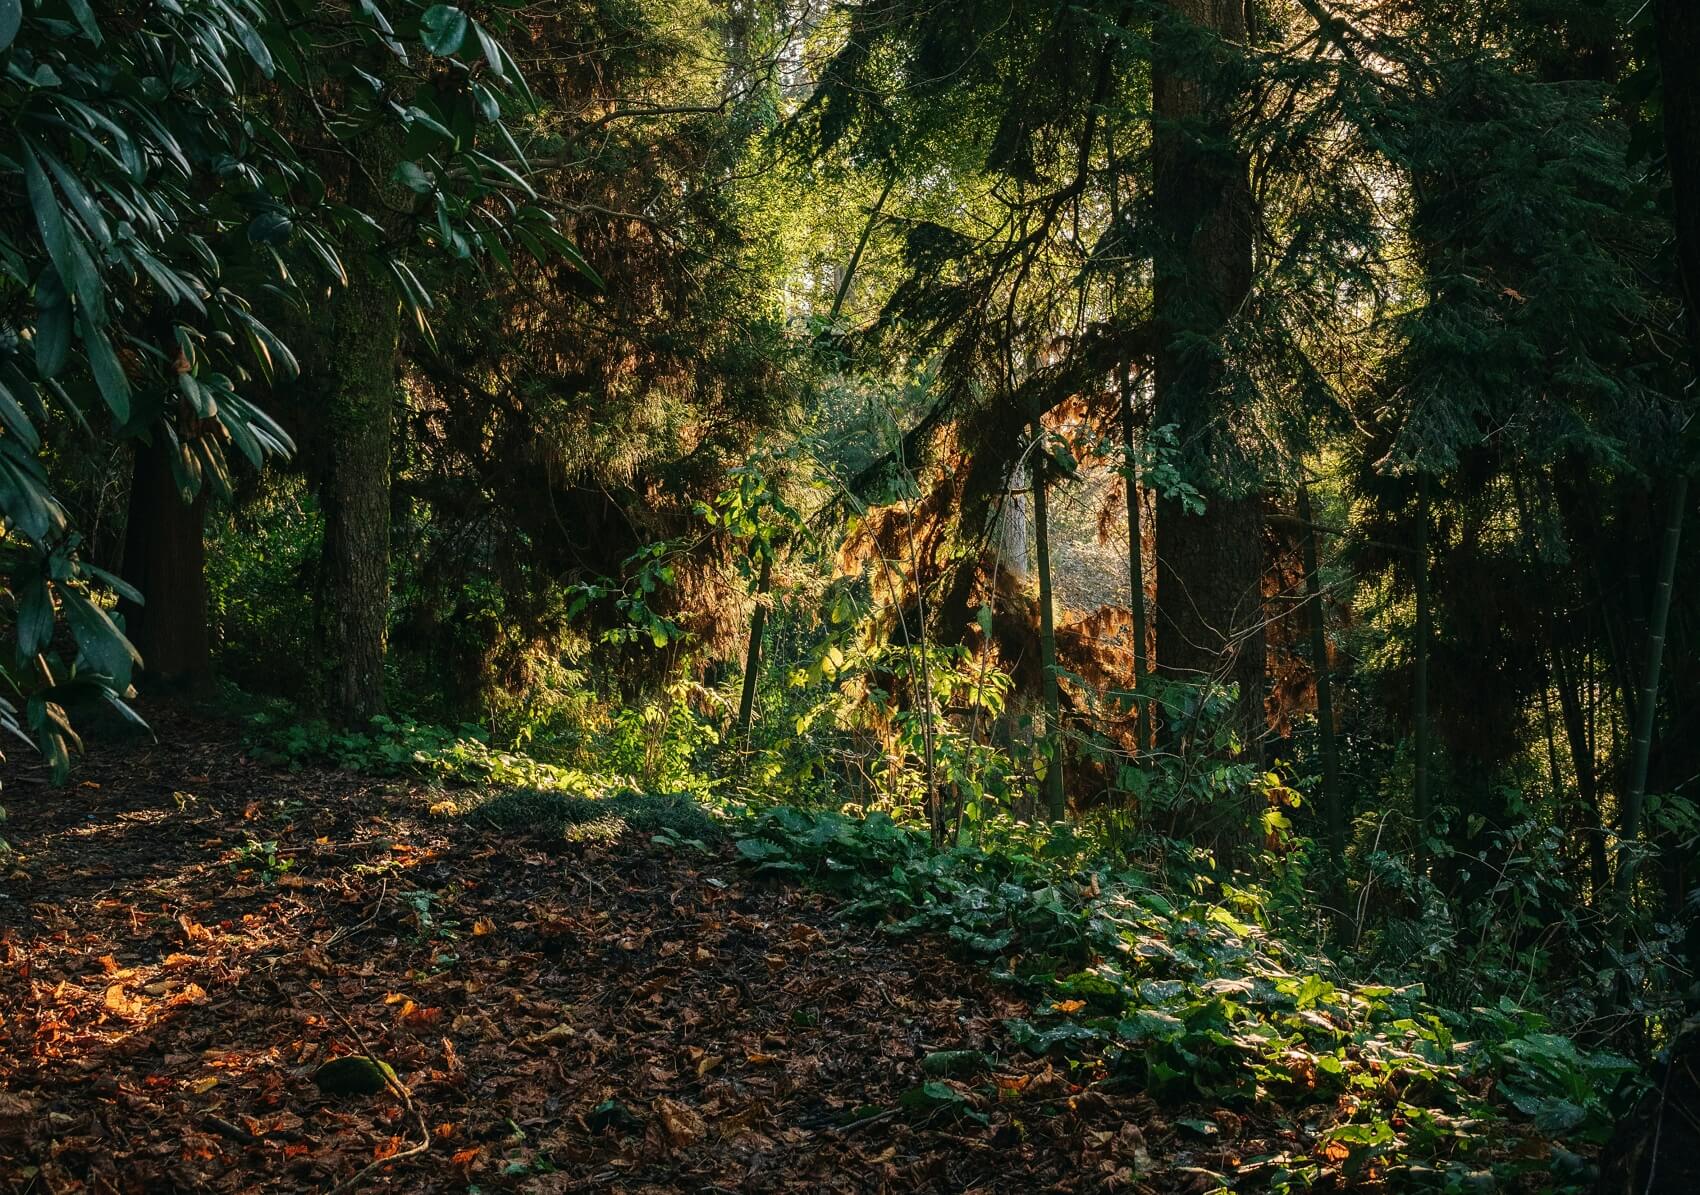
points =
(607, 818)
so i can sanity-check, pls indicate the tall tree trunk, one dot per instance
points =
(1135, 559)
(165, 558)
(1647, 703)
(1419, 671)
(355, 492)
(359, 384)
(1333, 808)
(1210, 566)
(752, 658)
(1582, 762)
(1678, 23)
(1679, 44)
(1135, 511)
(1055, 798)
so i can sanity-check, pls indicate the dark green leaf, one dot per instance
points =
(11, 16)
(443, 29)
(270, 228)
(101, 645)
(108, 370)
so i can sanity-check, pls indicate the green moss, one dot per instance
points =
(353, 1074)
(608, 818)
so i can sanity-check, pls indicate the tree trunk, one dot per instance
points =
(359, 398)
(1679, 44)
(1135, 558)
(1419, 671)
(1582, 763)
(1678, 23)
(1333, 810)
(357, 386)
(1135, 519)
(1209, 566)
(165, 558)
(752, 658)
(1013, 556)
(1647, 703)
(1055, 797)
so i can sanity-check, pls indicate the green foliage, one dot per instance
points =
(261, 556)
(1195, 999)
(402, 747)
(675, 818)
(162, 203)
(261, 856)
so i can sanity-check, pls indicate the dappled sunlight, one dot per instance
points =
(870, 597)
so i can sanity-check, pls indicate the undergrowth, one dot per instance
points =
(1195, 1000)
(674, 818)
(1146, 969)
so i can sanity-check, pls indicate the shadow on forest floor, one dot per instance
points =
(185, 933)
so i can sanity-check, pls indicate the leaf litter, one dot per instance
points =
(177, 932)
(220, 976)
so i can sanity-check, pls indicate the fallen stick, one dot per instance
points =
(395, 1085)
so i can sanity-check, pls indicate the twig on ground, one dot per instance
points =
(350, 930)
(395, 1085)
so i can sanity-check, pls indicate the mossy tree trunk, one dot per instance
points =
(359, 382)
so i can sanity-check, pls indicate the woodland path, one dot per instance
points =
(165, 996)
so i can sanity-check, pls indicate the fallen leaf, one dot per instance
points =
(119, 1001)
(683, 1123)
(553, 1036)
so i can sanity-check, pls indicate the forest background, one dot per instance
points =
(1244, 441)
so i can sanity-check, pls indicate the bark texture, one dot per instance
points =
(1209, 566)
(359, 339)
(1056, 796)
(359, 396)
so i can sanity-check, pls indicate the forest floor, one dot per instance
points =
(186, 935)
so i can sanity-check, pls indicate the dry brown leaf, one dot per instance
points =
(684, 1124)
(553, 1036)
